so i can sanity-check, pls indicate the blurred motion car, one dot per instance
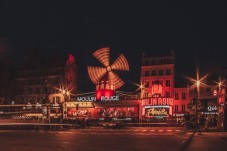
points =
(114, 124)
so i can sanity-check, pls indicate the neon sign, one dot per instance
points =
(157, 111)
(158, 101)
(212, 108)
(102, 98)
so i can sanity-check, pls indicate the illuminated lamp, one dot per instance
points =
(215, 92)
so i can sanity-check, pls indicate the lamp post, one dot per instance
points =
(197, 102)
(65, 95)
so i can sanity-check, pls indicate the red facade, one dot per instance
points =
(158, 93)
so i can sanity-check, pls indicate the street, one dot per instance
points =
(102, 139)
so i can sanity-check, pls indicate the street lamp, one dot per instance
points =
(197, 101)
(65, 95)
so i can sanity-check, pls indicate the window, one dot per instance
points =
(183, 95)
(58, 99)
(153, 62)
(183, 107)
(53, 100)
(167, 94)
(176, 96)
(146, 63)
(153, 72)
(146, 95)
(146, 84)
(146, 73)
(160, 72)
(168, 72)
(176, 108)
(167, 83)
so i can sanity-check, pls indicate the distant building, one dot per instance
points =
(40, 79)
(6, 81)
(159, 96)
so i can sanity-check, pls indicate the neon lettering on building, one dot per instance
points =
(157, 101)
(156, 111)
(93, 98)
(86, 98)
(109, 98)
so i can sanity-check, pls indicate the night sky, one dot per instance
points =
(194, 30)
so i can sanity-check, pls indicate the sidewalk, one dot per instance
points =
(206, 130)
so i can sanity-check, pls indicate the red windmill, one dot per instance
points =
(106, 80)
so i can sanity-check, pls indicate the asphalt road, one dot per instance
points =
(102, 139)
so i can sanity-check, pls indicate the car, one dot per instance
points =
(113, 124)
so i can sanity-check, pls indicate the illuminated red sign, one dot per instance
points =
(158, 101)
(154, 112)
(72, 112)
(107, 93)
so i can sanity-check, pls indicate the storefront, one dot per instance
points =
(79, 110)
(156, 109)
(127, 110)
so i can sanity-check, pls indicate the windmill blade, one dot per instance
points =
(115, 80)
(103, 55)
(120, 63)
(96, 73)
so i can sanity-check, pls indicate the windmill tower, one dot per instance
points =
(105, 79)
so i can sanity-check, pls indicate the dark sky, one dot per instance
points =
(194, 30)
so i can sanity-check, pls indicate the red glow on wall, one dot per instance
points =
(70, 60)
(104, 92)
(70, 71)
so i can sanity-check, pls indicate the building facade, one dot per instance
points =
(160, 98)
(42, 83)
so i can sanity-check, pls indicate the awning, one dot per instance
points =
(115, 104)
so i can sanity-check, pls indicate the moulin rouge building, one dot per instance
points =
(159, 98)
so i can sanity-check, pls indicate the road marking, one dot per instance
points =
(177, 130)
(160, 130)
(169, 130)
(152, 130)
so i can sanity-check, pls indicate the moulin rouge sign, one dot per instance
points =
(101, 95)
(93, 98)
(157, 101)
